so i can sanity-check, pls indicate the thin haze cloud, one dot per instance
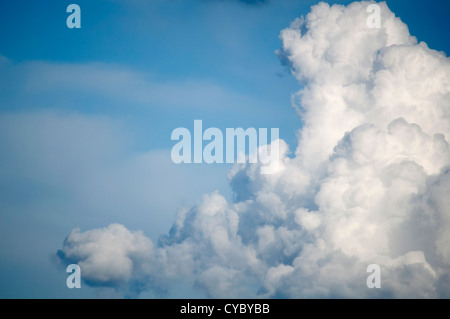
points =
(33, 80)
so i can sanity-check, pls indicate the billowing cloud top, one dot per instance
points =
(369, 182)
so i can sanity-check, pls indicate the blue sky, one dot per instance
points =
(86, 114)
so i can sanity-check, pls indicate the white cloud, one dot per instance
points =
(112, 255)
(369, 182)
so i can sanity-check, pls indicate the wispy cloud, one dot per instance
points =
(112, 83)
(87, 160)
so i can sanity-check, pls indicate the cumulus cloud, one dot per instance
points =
(110, 256)
(369, 181)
